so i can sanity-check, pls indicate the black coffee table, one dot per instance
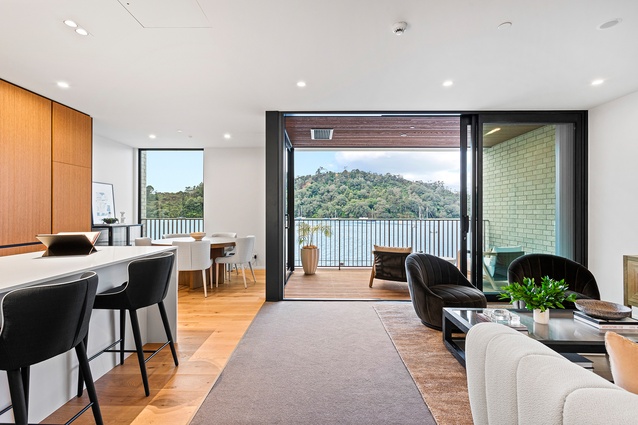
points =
(563, 334)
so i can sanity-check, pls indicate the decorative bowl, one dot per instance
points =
(603, 309)
(198, 236)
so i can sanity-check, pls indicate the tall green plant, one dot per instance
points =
(549, 294)
(307, 233)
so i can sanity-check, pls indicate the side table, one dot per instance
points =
(109, 228)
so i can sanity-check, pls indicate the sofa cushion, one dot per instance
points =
(600, 406)
(623, 359)
(551, 380)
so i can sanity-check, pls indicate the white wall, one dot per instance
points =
(234, 198)
(116, 163)
(613, 201)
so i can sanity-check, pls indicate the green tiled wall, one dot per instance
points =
(519, 192)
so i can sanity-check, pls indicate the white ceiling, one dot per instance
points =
(210, 67)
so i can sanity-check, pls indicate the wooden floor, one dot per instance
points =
(208, 331)
(347, 283)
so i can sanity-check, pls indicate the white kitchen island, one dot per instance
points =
(54, 382)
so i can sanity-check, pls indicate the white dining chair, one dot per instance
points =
(223, 235)
(243, 255)
(195, 255)
(229, 250)
(175, 235)
(143, 242)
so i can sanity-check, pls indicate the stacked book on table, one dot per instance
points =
(626, 324)
(579, 360)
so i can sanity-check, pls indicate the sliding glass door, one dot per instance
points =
(522, 188)
(531, 194)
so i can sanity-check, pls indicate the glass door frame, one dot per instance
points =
(579, 120)
(289, 160)
(276, 187)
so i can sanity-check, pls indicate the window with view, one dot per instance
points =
(171, 191)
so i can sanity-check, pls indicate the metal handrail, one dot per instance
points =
(154, 228)
(352, 240)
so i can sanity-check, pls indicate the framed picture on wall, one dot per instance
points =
(103, 202)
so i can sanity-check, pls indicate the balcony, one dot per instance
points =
(352, 239)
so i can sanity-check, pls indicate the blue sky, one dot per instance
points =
(172, 171)
(426, 166)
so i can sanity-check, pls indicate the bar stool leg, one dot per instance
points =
(26, 376)
(80, 350)
(18, 396)
(122, 334)
(139, 349)
(167, 328)
(80, 377)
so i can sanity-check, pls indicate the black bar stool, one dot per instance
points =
(148, 281)
(39, 323)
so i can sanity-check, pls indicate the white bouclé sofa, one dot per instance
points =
(513, 379)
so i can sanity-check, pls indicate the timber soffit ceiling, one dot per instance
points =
(391, 132)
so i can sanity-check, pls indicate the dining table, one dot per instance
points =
(217, 245)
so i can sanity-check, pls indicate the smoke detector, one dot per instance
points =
(399, 28)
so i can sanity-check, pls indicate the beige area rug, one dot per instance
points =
(438, 376)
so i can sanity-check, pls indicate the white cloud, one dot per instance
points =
(426, 166)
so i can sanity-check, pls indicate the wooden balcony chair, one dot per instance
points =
(389, 263)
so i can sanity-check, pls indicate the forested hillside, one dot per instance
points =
(187, 203)
(355, 194)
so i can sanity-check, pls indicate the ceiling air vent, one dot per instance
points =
(321, 133)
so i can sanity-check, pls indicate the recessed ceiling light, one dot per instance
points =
(81, 31)
(609, 24)
(448, 83)
(404, 135)
(63, 84)
(301, 84)
(493, 131)
(504, 25)
(227, 136)
(152, 136)
(179, 131)
(70, 23)
(597, 82)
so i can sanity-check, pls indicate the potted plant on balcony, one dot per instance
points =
(309, 251)
(539, 298)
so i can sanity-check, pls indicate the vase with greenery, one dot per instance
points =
(539, 298)
(309, 251)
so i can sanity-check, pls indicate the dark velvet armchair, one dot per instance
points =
(579, 279)
(436, 283)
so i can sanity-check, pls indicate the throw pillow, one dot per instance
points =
(623, 359)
